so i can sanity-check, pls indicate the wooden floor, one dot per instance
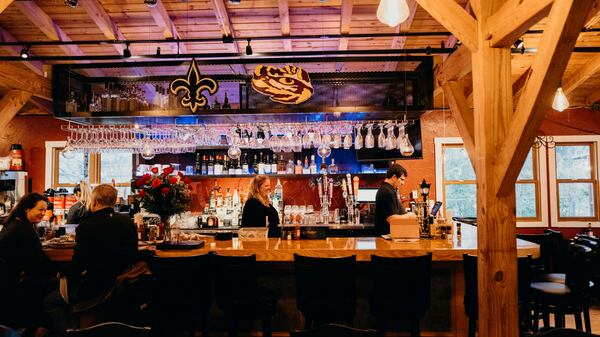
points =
(594, 316)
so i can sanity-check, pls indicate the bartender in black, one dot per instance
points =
(258, 208)
(387, 203)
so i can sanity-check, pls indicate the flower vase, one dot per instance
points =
(165, 220)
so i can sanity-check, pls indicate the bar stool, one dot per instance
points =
(569, 297)
(182, 292)
(326, 289)
(471, 292)
(238, 295)
(112, 329)
(401, 290)
(334, 330)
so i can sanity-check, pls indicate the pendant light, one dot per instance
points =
(560, 102)
(392, 12)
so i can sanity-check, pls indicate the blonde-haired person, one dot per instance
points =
(81, 209)
(258, 206)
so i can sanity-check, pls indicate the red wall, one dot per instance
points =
(33, 131)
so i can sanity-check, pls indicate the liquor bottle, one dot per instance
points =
(226, 165)
(305, 168)
(333, 169)
(211, 166)
(289, 169)
(313, 165)
(212, 201)
(267, 164)
(198, 164)
(212, 221)
(219, 165)
(228, 199)
(274, 165)
(205, 165)
(281, 165)
(255, 165)
(204, 218)
(245, 165)
(219, 197)
(238, 168)
(235, 199)
(323, 166)
(298, 167)
(277, 199)
(261, 164)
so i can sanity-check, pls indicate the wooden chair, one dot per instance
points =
(334, 330)
(563, 332)
(110, 329)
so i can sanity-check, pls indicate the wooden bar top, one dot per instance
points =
(363, 247)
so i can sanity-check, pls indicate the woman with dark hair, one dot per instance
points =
(258, 206)
(28, 276)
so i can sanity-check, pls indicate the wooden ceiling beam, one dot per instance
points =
(163, 20)
(13, 77)
(452, 16)
(398, 42)
(514, 18)
(4, 4)
(463, 115)
(49, 28)
(456, 66)
(10, 104)
(227, 29)
(593, 98)
(589, 69)
(564, 24)
(345, 19)
(594, 16)
(284, 19)
(35, 66)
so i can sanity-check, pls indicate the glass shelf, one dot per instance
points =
(291, 176)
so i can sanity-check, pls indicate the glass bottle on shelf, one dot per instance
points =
(313, 165)
(267, 165)
(323, 166)
(245, 166)
(289, 168)
(298, 167)
(105, 99)
(333, 169)
(255, 165)
(71, 104)
(273, 162)
(211, 166)
(260, 165)
(226, 102)
(306, 167)
(198, 164)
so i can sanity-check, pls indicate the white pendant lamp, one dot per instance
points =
(560, 102)
(392, 12)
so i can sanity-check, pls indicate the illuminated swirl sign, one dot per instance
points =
(193, 86)
(287, 85)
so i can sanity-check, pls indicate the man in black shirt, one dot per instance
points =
(387, 203)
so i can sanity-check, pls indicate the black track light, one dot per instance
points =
(227, 39)
(126, 51)
(151, 3)
(249, 48)
(71, 3)
(519, 44)
(25, 53)
(157, 51)
(428, 50)
(234, 2)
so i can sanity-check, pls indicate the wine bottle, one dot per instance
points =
(267, 165)
(261, 164)
(211, 166)
(198, 164)
(255, 165)
(205, 165)
(245, 164)
(313, 165)
(333, 169)
(273, 162)
(238, 168)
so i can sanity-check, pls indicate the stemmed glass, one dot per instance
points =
(337, 141)
(381, 138)
(348, 141)
(391, 141)
(369, 139)
(326, 140)
(358, 140)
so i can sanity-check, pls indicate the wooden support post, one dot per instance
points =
(496, 220)
(10, 104)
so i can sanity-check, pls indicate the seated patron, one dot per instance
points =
(258, 206)
(81, 209)
(27, 276)
(387, 203)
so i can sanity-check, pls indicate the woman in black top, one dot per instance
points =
(81, 209)
(28, 276)
(258, 206)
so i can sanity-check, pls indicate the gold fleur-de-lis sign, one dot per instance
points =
(194, 86)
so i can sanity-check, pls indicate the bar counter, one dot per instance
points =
(275, 249)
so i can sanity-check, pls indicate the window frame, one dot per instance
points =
(538, 157)
(578, 222)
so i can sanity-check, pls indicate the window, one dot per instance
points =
(456, 184)
(574, 181)
(67, 169)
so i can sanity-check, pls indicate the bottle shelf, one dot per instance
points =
(291, 176)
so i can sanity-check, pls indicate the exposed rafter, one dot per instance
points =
(398, 42)
(226, 28)
(345, 19)
(452, 16)
(47, 26)
(564, 23)
(10, 104)
(4, 4)
(284, 19)
(593, 98)
(514, 18)
(5, 36)
(589, 69)
(13, 77)
(103, 21)
(163, 20)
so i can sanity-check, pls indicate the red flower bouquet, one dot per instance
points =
(164, 194)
